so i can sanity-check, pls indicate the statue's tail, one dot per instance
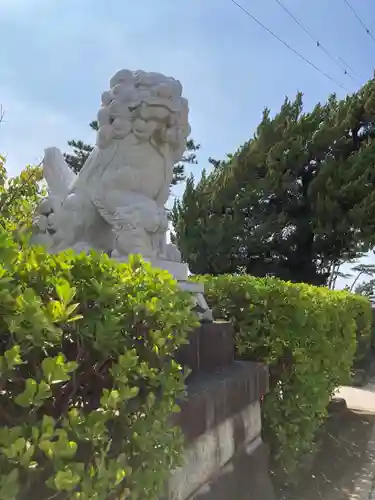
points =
(59, 176)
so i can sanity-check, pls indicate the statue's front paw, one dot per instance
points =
(48, 205)
(81, 247)
(40, 235)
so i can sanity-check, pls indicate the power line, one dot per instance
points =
(317, 42)
(350, 68)
(287, 45)
(359, 19)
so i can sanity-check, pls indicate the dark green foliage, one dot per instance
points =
(81, 152)
(307, 335)
(360, 271)
(295, 201)
(367, 288)
(189, 158)
(87, 376)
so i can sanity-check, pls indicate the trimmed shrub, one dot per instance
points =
(308, 337)
(87, 375)
(362, 312)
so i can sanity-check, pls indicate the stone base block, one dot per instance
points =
(179, 270)
(220, 418)
(206, 456)
(210, 348)
(213, 398)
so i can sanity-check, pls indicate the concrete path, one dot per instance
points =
(363, 399)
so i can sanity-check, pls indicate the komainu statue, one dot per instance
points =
(117, 202)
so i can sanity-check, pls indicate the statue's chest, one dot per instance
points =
(140, 167)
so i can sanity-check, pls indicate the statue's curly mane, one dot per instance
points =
(149, 105)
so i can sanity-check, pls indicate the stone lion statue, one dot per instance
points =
(117, 202)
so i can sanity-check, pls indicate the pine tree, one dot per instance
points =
(81, 152)
(294, 201)
(367, 288)
(189, 158)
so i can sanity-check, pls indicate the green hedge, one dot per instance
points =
(308, 337)
(362, 311)
(87, 376)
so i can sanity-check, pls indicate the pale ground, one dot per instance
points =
(344, 466)
(363, 399)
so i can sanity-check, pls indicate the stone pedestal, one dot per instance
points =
(210, 348)
(221, 421)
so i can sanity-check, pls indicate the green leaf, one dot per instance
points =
(27, 455)
(44, 392)
(129, 393)
(26, 398)
(9, 485)
(120, 476)
(57, 370)
(48, 427)
(35, 433)
(66, 480)
(63, 448)
(16, 448)
(13, 357)
(65, 292)
(110, 398)
(74, 318)
(56, 310)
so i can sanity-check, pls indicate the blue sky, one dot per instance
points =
(57, 58)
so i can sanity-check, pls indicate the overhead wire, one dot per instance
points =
(286, 44)
(359, 19)
(350, 68)
(335, 60)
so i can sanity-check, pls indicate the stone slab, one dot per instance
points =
(216, 346)
(207, 454)
(191, 286)
(213, 398)
(179, 270)
(210, 348)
